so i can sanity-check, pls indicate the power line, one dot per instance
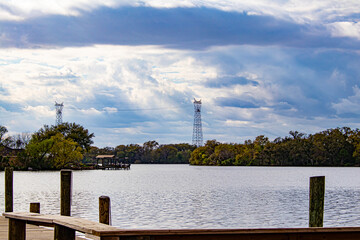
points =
(131, 109)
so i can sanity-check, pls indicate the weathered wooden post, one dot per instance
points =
(104, 210)
(8, 189)
(316, 201)
(17, 229)
(61, 232)
(35, 207)
(65, 192)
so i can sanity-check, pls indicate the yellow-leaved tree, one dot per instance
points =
(64, 152)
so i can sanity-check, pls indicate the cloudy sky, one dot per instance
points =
(129, 70)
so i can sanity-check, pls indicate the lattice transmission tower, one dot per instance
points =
(197, 138)
(59, 107)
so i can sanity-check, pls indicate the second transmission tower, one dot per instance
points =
(197, 138)
(59, 107)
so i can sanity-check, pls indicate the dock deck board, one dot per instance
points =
(108, 232)
(32, 232)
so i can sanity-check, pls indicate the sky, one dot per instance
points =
(129, 70)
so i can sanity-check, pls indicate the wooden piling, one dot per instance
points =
(8, 189)
(316, 201)
(63, 233)
(35, 207)
(65, 190)
(104, 210)
(17, 229)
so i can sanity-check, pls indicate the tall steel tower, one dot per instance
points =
(59, 107)
(197, 138)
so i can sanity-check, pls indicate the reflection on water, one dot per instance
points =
(182, 196)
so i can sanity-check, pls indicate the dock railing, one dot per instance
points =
(65, 226)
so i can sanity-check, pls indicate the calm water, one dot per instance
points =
(182, 196)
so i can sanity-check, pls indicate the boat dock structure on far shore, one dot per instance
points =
(110, 162)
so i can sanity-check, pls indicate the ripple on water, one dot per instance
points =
(182, 196)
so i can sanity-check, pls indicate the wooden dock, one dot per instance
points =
(110, 162)
(32, 232)
(66, 227)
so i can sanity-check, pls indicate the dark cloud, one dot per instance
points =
(230, 81)
(298, 82)
(9, 106)
(190, 28)
(236, 102)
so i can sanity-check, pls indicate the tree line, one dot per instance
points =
(151, 152)
(69, 145)
(332, 147)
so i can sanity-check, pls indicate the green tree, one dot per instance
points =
(224, 154)
(333, 147)
(64, 152)
(120, 152)
(200, 156)
(260, 144)
(133, 153)
(148, 152)
(54, 153)
(72, 131)
(354, 139)
(166, 154)
(56, 147)
(246, 155)
(37, 153)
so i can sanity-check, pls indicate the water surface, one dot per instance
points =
(183, 196)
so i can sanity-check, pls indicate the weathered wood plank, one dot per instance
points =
(32, 232)
(78, 224)
(27, 216)
(106, 232)
(278, 236)
(86, 226)
(183, 232)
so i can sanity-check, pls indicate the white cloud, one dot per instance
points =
(135, 76)
(350, 104)
(90, 111)
(98, 84)
(40, 111)
(236, 123)
(345, 29)
(20, 10)
(298, 10)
